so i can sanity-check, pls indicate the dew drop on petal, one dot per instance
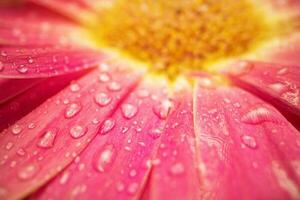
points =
(28, 172)
(47, 140)
(132, 173)
(155, 133)
(163, 109)
(257, 116)
(241, 68)
(72, 110)
(132, 188)
(249, 141)
(129, 110)
(22, 69)
(104, 77)
(102, 99)
(9, 145)
(107, 126)
(177, 169)
(114, 86)
(120, 186)
(282, 71)
(74, 87)
(16, 129)
(105, 158)
(30, 60)
(277, 87)
(77, 131)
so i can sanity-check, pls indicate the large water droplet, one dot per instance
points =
(249, 141)
(9, 145)
(282, 71)
(77, 131)
(241, 68)
(105, 158)
(47, 140)
(258, 115)
(28, 172)
(277, 87)
(177, 169)
(16, 129)
(107, 126)
(102, 99)
(129, 110)
(72, 110)
(163, 109)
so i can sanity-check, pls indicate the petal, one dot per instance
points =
(118, 160)
(41, 61)
(35, 93)
(71, 8)
(175, 175)
(41, 144)
(279, 84)
(32, 25)
(12, 87)
(247, 149)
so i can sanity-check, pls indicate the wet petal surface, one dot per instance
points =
(33, 25)
(45, 61)
(279, 84)
(119, 159)
(41, 144)
(244, 143)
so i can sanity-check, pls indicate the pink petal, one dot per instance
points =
(247, 149)
(41, 144)
(12, 87)
(175, 175)
(33, 25)
(41, 61)
(71, 8)
(279, 84)
(39, 91)
(117, 162)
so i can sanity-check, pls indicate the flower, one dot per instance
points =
(117, 100)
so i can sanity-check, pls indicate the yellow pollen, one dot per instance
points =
(176, 36)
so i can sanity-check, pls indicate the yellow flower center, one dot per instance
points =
(175, 36)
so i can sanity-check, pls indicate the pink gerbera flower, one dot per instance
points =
(142, 99)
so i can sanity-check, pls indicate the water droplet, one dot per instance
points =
(155, 133)
(9, 145)
(64, 178)
(105, 158)
(133, 173)
(22, 69)
(47, 140)
(74, 87)
(16, 129)
(241, 68)
(30, 60)
(104, 77)
(107, 126)
(177, 169)
(21, 152)
(120, 186)
(102, 99)
(28, 172)
(249, 141)
(258, 115)
(282, 71)
(163, 109)
(77, 131)
(129, 110)
(31, 126)
(114, 86)
(72, 110)
(132, 188)
(277, 87)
